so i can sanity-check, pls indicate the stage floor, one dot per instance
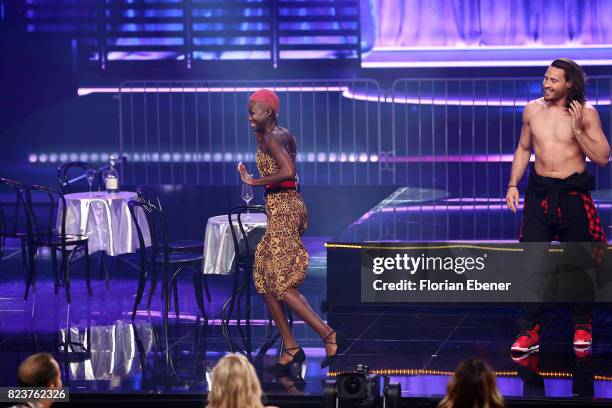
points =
(419, 346)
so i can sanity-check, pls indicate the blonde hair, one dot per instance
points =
(234, 384)
(473, 386)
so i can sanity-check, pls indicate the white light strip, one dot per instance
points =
(199, 89)
(228, 157)
(193, 157)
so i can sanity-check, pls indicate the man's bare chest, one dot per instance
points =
(552, 127)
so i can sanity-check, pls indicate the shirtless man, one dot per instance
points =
(563, 130)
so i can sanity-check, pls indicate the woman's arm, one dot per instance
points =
(276, 149)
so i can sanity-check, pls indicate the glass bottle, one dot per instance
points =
(111, 176)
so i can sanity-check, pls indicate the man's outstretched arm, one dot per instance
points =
(519, 163)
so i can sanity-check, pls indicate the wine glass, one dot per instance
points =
(91, 176)
(247, 196)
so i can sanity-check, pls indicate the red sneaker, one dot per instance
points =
(583, 336)
(583, 352)
(529, 360)
(527, 340)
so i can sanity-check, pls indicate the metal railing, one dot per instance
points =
(450, 142)
(196, 132)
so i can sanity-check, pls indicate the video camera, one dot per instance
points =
(360, 388)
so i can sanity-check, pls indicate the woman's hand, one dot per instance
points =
(244, 175)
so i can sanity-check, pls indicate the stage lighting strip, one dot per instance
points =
(206, 89)
(346, 92)
(454, 246)
(227, 157)
(420, 371)
(309, 157)
(439, 101)
(356, 246)
(585, 54)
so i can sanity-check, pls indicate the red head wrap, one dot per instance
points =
(265, 97)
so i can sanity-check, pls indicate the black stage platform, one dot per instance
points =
(420, 344)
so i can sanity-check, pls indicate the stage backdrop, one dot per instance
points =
(411, 23)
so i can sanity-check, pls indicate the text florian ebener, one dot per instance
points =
(414, 264)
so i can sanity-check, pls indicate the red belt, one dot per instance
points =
(282, 186)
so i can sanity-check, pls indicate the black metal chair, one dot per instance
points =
(13, 219)
(158, 256)
(147, 195)
(49, 230)
(243, 269)
(78, 172)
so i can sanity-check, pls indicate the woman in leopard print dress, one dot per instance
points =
(281, 259)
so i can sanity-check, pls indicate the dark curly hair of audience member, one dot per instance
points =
(473, 385)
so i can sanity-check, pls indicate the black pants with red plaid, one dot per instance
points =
(576, 226)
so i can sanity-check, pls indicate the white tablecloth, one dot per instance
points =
(105, 219)
(218, 243)
(113, 350)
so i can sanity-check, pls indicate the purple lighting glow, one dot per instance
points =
(346, 92)
(204, 89)
(211, 322)
(468, 101)
(478, 158)
(456, 207)
(462, 56)
(474, 64)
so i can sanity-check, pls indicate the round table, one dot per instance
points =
(218, 243)
(105, 218)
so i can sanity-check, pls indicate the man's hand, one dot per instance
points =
(575, 110)
(512, 198)
(244, 174)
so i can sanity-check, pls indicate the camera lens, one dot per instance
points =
(352, 385)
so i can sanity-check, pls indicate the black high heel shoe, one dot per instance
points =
(291, 383)
(340, 342)
(298, 357)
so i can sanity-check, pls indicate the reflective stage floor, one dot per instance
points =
(419, 346)
(101, 351)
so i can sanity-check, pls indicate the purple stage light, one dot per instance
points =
(474, 64)
(468, 101)
(460, 56)
(202, 89)
(346, 92)
(311, 157)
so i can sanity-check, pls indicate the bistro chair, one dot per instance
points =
(13, 219)
(48, 229)
(244, 258)
(147, 195)
(157, 256)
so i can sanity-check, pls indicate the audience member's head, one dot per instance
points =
(234, 384)
(472, 386)
(39, 370)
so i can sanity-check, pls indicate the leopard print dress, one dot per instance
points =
(281, 258)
